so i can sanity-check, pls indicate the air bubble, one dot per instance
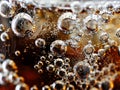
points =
(101, 52)
(46, 87)
(2, 57)
(58, 47)
(91, 22)
(58, 62)
(17, 53)
(65, 21)
(9, 65)
(20, 17)
(51, 68)
(104, 37)
(70, 87)
(40, 64)
(21, 86)
(58, 85)
(71, 76)
(62, 72)
(4, 36)
(76, 7)
(40, 43)
(34, 87)
(81, 70)
(118, 32)
(13, 77)
(2, 27)
(88, 49)
(5, 9)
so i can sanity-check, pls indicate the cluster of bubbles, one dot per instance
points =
(8, 74)
(86, 74)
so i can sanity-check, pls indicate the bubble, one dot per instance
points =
(109, 6)
(71, 76)
(13, 77)
(17, 53)
(9, 65)
(106, 85)
(19, 80)
(3, 79)
(93, 88)
(20, 18)
(62, 72)
(51, 68)
(117, 8)
(58, 47)
(112, 42)
(91, 22)
(107, 47)
(37, 67)
(40, 64)
(81, 70)
(58, 85)
(40, 43)
(88, 49)
(50, 56)
(105, 15)
(118, 32)
(2, 27)
(4, 36)
(105, 71)
(46, 87)
(76, 7)
(65, 21)
(58, 62)
(67, 60)
(42, 58)
(5, 9)
(70, 87)
(90, 7)
(101, 52)
(34, 87)
(22, 86)
(2, 57)
(40, 71)
(104, 37)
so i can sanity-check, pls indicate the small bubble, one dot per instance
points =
(5, 9)
(58, 62)
(2, 57)
(9, 65)
(104, 37)
(58, 85)
(76, 7)
(62, 72)
(58, 47)
(51, 68)
(81, 70)
(40, 43)
(4, 36)
(22, 86)
(65, 21)
(118, 32)
(88, 49)
(17, 53)
(70, 87)
(34, 87)
(46, 87)
(71, 76)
